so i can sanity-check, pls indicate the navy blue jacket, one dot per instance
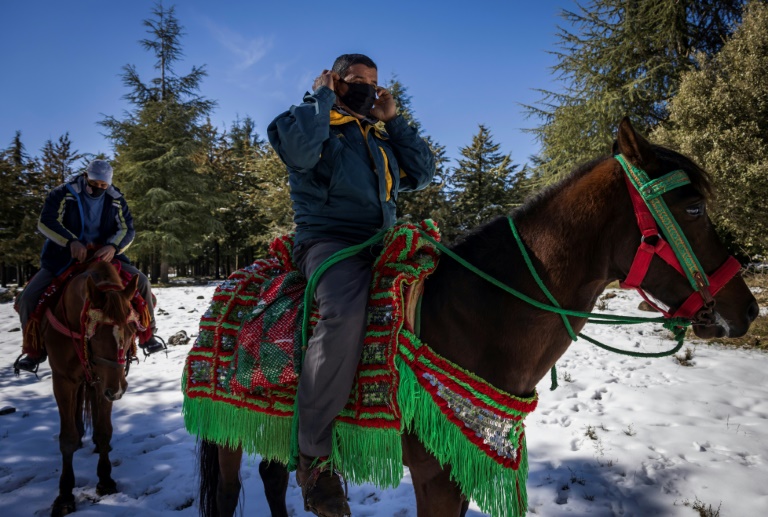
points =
(61, 222)
(345, 174)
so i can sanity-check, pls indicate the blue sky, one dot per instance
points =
(464, 63)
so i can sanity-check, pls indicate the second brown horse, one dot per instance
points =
(87, 386)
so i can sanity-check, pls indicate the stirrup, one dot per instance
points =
(17, 365)
(160, 349)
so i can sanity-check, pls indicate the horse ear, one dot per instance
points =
(130, 289)
(632, 145)
(94, 294)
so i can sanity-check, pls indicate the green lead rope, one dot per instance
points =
(309, 295)
(676, 325)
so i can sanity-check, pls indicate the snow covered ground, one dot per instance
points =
(621, 436)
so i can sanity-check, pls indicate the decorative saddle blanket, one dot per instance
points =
(33, 340)
(241, 376)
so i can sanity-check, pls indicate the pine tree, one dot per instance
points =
(161, 154)
(58, 159)
(231, 152)
(720, 120)
(429, 203)
(271, 197)
(621, 58)
(484, 185)
(8, 226)
(20, 209)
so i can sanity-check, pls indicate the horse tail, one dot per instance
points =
(208, 469)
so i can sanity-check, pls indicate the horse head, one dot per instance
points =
(110, 331)
(703, 284)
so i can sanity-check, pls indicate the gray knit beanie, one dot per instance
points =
(99, 170)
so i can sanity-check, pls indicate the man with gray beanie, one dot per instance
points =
(86, 211)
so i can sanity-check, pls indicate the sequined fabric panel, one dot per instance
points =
(501, 435)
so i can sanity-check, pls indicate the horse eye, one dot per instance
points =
(695, 210)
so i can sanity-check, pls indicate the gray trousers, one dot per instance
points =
(36, 287)
(333, 352)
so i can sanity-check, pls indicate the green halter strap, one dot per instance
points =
(651, 192)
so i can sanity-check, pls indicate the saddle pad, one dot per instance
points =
(240, 377)
(269, 341)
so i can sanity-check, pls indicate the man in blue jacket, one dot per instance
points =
(345, 176)
(88, 210)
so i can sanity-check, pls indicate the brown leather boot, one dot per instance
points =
(321, 488)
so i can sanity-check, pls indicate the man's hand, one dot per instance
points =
(385, 108)
(78, 251)
(105, 253)
(327, 78)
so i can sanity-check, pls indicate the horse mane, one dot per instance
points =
(488, 235)
(108, 281)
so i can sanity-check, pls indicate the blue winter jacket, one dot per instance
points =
(61, 222)
(345, 174)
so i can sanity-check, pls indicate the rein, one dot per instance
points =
(60, 327)
(81, 339)
(649, 208)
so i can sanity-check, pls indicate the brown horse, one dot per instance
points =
(89, 371)
(581, 234)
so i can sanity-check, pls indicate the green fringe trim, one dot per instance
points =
(368, 455)
(497, 490)
(225, 424)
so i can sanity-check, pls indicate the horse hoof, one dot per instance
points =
(107, 488)
(63, 506)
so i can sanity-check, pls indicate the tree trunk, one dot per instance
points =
(3, 275)
(155, 271)
(164, 271)
(217, 259)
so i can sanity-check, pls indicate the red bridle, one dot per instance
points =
(700, 304)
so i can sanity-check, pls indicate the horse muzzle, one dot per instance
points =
(713, 324)
(113, 395)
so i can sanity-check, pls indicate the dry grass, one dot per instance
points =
(705, 510)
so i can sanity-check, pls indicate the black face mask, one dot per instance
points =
(95, 191)
(359, 98)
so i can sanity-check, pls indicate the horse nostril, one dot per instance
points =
(753, 311)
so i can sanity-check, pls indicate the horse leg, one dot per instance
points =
(66, 398)
(228, 490)
(79, 423)
(219, 474)
(102, 435)
(274, 475)
(436, 494)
